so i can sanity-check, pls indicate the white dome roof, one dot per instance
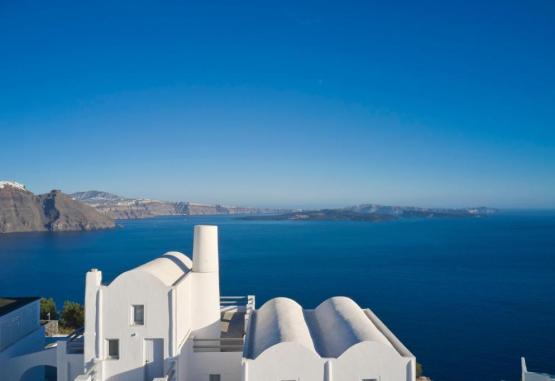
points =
(342, 324)
(168, 268)
(280, 320)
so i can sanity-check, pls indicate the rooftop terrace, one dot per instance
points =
(235, 312)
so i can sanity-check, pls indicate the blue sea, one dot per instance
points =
(467, 296)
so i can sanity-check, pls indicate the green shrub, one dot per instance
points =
(418, 369)
(72, 316)
(48, 306)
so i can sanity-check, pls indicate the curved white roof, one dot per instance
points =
(342, 324)
(168, 268)
(279, 320)
(333, 327)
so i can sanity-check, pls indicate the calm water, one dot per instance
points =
(467, 296)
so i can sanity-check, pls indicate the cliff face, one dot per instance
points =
(22, 211)
(64, 213)
(119, 207)
(195, 209)
(137, 209)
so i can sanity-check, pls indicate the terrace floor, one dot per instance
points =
(232, 324)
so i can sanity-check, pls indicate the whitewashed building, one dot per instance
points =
(533, 376)
(165, 320)
(336, 341)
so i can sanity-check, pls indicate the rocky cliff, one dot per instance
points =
(119, 207)
(22, 211)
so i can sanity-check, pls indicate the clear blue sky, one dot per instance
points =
(282, 103)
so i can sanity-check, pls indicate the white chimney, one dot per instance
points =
(206, 278)
(205, 249)
(93, 319)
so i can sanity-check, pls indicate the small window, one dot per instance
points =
(113, 348)
(214, 377)
(138, 314)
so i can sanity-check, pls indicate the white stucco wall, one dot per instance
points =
(197, 366)
(226, 364)
(69, 365)
(292, 361)
(205, 307)
(133, 288)
(285, 361)
(24, 354)
(183, 319)
(371, 360)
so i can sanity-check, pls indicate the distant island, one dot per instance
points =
(373, 212)
(119, 207)
(22, 211)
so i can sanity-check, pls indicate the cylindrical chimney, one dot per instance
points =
(206, 283)
(205, 249)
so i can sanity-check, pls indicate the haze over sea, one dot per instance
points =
(467, 294)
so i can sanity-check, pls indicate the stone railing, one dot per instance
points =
(231, 344)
